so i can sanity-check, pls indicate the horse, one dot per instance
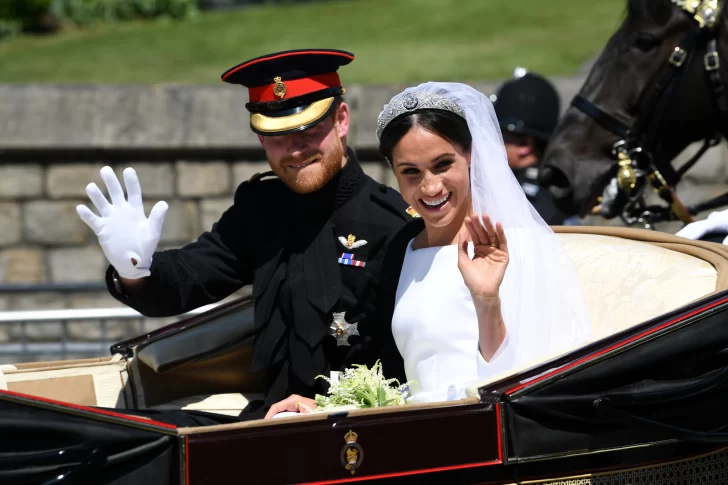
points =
(657, 87)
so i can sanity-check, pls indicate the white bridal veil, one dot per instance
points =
(543, 304)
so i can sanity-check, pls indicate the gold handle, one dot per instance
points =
(626, 177)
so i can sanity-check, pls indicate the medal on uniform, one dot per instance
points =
(351, 242)
(342, 330)
(347, 259)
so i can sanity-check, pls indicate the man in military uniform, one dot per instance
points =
(309, 235)
(528, 110)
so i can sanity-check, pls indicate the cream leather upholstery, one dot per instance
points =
(628, 282)
(87, 382)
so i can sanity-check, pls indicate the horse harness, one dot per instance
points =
(633, 152)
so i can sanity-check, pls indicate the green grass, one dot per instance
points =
(395, 41)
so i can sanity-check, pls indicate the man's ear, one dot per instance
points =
(342, 116)
(260, 139)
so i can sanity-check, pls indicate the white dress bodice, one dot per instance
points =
(435, 326)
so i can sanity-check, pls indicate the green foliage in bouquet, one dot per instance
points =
(362, 387)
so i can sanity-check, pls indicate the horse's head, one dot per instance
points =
(580, 161)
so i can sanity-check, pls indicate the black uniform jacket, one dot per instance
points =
(288, 246)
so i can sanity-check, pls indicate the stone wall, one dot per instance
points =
(42, 239)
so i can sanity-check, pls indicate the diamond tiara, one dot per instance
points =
(414, 101)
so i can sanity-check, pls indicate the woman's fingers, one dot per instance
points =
(490, 229)
(479, 224)
(463, 244)
(477, 232)
(502, 240)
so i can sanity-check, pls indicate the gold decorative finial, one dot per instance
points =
(626, 176)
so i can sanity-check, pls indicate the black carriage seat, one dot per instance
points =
(199, 363)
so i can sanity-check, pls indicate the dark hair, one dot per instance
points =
(443, 123)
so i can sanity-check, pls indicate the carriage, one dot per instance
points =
(641, 403)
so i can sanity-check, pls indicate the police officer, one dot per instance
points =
(528, 110)
(309, 235)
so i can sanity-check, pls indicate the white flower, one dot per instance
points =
(364, 388)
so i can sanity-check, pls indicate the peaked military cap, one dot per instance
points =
(292, 90)
(528, 105)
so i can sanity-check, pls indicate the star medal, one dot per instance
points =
(342, 330)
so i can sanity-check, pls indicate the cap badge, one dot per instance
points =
(279, 89)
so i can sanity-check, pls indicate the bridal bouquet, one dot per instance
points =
(360, 387)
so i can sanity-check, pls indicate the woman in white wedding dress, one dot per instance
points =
(479, 284)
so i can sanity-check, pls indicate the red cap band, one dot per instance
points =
(295, 87)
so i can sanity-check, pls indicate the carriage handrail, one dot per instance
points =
(24, 348)
(83, 314)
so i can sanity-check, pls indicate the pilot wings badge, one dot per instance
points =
(342, 330)
(351, 242)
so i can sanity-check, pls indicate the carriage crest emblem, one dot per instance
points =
(352, 454)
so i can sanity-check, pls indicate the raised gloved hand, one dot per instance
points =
(127, 238)
(716, 222)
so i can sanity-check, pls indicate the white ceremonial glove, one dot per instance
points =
(716, 222)
(125, 234)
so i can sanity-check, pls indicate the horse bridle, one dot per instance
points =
(633, 152)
